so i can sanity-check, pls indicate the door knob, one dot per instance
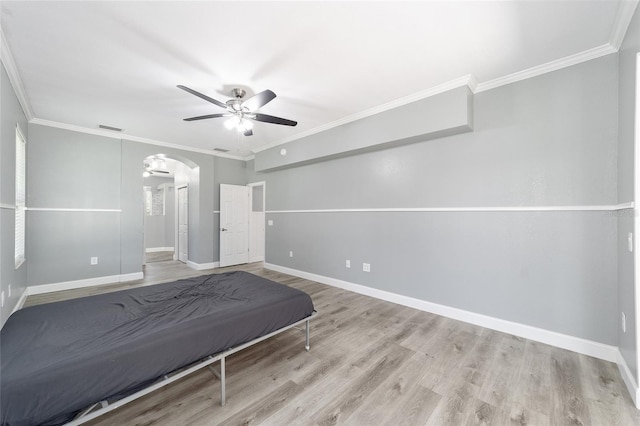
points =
(223, 229)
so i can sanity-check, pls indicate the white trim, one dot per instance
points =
(21, 133)
(251, 185)
(14, 77)
(628, 379)
(22, 300)
(537, 70)
(615, 207)
(625, 206)
(226, 155)
(564, 341)
(202, 266)
(89, 282)
(157, 249)
(46, 209)
(622, 21)
(467, 80)
(121, 136)
(636, 225)
(20, 262)
(7, 206)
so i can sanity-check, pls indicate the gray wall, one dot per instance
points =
(627, 115)
(444, 114)
(71, 170)
(546, 141)
(11, 114)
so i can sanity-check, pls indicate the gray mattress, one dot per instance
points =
(58, 358)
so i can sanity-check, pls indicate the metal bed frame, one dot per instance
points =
(105, 406)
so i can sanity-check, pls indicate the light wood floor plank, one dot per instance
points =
(345, 403)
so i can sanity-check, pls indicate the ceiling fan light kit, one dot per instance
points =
(241, 112)
(154, 165)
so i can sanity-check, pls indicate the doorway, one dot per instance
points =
(242, 223)
(162, 229)
(159, 218)
(234, 225)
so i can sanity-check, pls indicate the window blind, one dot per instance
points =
(20, 211)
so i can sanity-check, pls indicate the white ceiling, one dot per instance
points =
(118, 63)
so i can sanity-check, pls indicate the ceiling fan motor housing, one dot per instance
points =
(235, 105)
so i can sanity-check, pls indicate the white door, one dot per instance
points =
(234, 225)
(183, 224)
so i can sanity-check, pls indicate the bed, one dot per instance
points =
(73, 360)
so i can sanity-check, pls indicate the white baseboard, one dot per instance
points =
(157, 249)
(23, 298)
(564, 341)
(203, 266)
(70, 285)
(629, 380)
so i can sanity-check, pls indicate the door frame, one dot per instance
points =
(636, 220)
(264, 210)
(239, 226)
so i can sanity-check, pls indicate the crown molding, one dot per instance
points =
(14, 77)
(567, 61)
(626, 10)
(120, 136)
(467, 80)
(621, 23)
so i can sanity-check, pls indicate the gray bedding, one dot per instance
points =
(60, 357)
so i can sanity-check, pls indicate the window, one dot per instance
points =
(20, 197)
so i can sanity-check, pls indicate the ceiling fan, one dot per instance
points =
(154, 165)
(241, 112)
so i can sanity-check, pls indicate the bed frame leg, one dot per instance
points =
(223, 398)
(306, 345)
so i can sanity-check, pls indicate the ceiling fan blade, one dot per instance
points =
(258, 100)
(248, 132)
(203, 117)
(275, 120)
(200, 95)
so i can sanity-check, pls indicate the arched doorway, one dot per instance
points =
(165, 189)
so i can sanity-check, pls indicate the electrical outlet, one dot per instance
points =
(270, 222)
(366, 267)
(623, 323)
(348, 263)
(290, 254)
(630, 241)
(94, 260)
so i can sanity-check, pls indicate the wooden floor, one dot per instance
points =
(158, 256)
(377, 363)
